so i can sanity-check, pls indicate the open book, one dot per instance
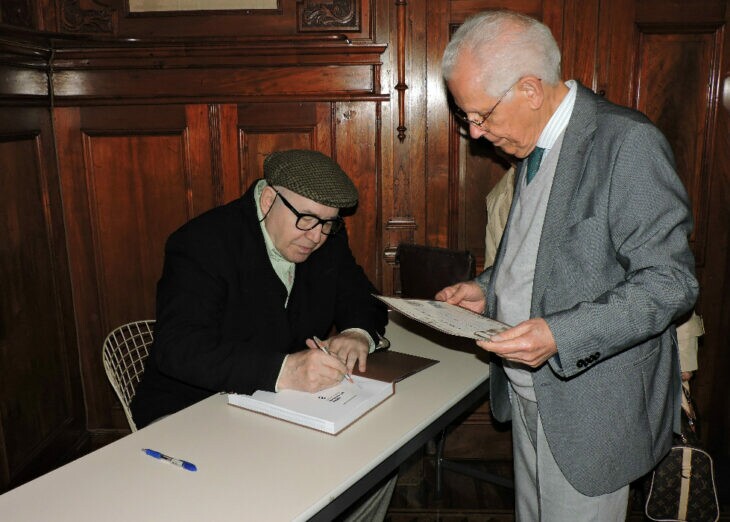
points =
(447, 318)
(330, 410)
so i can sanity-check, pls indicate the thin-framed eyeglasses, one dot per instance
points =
(483, 120)
(310, 221)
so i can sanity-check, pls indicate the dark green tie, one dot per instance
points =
(533, 162)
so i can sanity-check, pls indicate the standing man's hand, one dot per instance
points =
(467, 295)
(350, 347)
(531, 342)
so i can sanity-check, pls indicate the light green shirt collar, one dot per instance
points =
(284, 268)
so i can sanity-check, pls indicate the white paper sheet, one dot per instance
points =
(446, 317)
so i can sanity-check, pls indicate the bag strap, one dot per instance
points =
(689, 410)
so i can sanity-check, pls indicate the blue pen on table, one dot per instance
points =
(172, 460)
(325, 350)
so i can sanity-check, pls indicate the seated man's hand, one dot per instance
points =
(311, 370)
(467, 295)
(350, 347)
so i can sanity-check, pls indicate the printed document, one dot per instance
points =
(447, 318)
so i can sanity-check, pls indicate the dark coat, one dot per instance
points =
(221, 321)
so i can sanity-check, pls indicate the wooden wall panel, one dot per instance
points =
(130, 176)
(41, 408)
(23, 68)
(266, 127)
(292, 17)
(356, 149)
(345, 131)
(213, 83)
(668, 63)
(674, 71)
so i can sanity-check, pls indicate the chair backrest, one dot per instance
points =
(124, 352)
(424, 270)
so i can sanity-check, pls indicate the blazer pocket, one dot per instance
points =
(630, 360)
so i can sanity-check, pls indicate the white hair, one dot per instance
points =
(505, 46)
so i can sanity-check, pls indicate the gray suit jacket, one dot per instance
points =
(613, 271)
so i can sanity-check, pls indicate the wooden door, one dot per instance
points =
(130, 176)
(668, 60)
(41, 402)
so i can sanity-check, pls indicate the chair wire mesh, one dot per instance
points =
(124, 352)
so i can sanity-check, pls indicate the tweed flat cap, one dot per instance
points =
(311, 174)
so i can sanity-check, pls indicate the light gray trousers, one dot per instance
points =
(542, 493)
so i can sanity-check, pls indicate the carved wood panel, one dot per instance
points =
(291, 18)
(356, 148)
(131, 175)
(41, 408)
(346, 131)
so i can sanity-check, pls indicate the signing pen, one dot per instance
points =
(172, 460)
(325, 350)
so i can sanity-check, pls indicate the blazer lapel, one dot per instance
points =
(577, 141)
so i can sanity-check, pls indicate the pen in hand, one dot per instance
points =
(172, 460)
(325, 350)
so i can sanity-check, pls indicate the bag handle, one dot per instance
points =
(689, 410)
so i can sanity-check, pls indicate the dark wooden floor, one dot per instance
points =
(464, 499)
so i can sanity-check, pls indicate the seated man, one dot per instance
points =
(247, 285)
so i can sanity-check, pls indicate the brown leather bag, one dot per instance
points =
(424, 270)
(682, 486)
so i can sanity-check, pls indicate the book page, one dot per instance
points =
(447, 318)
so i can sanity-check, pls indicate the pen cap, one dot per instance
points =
(189, 466)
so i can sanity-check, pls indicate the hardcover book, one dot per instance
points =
(330, 410)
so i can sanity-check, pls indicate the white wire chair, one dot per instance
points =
(124, 352)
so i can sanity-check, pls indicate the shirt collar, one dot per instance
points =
(271, 250)
(559, 120)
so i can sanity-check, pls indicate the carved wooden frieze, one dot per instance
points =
(17, 13)
(338, 15)
(75, 19)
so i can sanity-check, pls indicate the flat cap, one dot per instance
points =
(311, 174)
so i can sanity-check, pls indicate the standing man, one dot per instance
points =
(593, 269)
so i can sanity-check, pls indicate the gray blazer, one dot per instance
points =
(613, 271)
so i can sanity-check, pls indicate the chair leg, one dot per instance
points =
(439, 461)
(463, 468)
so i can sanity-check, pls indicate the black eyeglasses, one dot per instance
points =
(310, 221)
(484, 117)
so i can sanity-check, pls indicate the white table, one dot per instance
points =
(252, 467)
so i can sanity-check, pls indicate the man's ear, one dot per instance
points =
(531, 87)
(268, 195)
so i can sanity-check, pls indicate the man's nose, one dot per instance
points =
(476, 132)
